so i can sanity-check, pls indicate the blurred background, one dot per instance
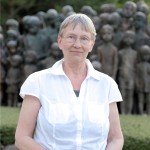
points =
(19, 45)
(19, 8)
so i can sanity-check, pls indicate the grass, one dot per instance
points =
(132, 125)
(136, 132)
(135, 126)
(9, 116)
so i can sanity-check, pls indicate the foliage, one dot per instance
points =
(7, 135)
(136, 143)
(8, 121)
(18, 8)
(135, 130)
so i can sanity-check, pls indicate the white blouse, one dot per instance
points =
(67, 122)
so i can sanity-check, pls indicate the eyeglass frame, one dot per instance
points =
(71, 38)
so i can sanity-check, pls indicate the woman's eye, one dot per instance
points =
(71, 37)
(84, 39)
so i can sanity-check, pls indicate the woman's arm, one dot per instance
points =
(115, 137)
(27, 123)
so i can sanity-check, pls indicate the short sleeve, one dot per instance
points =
(114, 92)
(30, 86)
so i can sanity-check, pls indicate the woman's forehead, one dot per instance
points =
(72, 26)
(75, 29)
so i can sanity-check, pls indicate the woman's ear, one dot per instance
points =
(92, 45)
(59, 39)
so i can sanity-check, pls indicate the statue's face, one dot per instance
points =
(145, 57)
(107, 34)
(128, 10)
(33, 29)
(12, 49)
(144, 8)
(139, 22)
(129, 38)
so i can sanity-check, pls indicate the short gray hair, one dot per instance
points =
(76, 19)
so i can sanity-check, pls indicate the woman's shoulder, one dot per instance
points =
(39, 74)
(104, 77)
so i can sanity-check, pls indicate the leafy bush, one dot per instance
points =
(136, 132)
(132, 143)
(7, 135)
(8, 118)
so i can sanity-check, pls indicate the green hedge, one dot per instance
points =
(135, 129)
(8, 120)
(136, 132)
(132, 143)
(6, 135)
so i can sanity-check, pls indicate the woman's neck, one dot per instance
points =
(75, 68)
(76, 73)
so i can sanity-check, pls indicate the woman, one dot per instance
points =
(58, 111)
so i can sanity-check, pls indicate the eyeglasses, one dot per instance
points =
(73, 39)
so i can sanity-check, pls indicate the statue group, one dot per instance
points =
(121, 50)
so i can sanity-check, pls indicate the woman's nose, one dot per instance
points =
(77, 42)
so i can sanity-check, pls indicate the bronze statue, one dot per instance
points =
(107, 52)
(12, 24)
(127, 60)
(141, 38)
(35, 39)
(13, 80)
(107, 8)
(115, 21)
(128, 10)
(3, 62)
(30, 63)
(55, 55)
(88, 10)
(51, 30)
(143, 79)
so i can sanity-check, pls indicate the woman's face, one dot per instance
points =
(75, 43)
